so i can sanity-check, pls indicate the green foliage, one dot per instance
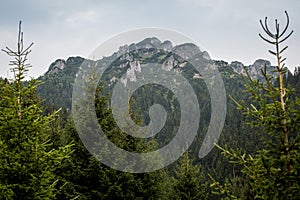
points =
(34, 143)
(273, 171)
(88, 178)
(189, 180)
(27, 159)
(57, 91)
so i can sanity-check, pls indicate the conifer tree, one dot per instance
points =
(189, 180)
(273, 171)
(27, 159)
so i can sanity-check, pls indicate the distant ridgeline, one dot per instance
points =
(128, 62)
(58, 80)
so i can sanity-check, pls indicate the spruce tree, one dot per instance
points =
(27, 159)
(273, 171)
(189, 180)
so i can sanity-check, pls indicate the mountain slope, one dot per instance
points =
(126, 65)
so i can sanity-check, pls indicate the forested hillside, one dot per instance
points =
(57, 92)
(43, 157)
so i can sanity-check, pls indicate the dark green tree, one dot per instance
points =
(27, 159)
(190, 182)
(88, 178)
(273, 171)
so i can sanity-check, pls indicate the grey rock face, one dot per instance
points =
(166, 46)
(149, 43)
(237, 67)
(186, 50)
(57, 66)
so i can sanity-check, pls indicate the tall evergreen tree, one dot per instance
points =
(88, 178)
(272, 172)
(189, 180)
(27, 159)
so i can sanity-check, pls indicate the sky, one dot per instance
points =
(227, 29)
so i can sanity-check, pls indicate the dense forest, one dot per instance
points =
(257, 155)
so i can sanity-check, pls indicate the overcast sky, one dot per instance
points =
(227, 29)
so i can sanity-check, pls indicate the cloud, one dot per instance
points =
(227, 28)
(83, 17)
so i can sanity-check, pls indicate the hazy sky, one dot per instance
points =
(227, 29)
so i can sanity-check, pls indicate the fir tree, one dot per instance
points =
(273, 171)
(27, 159)
(190, 181)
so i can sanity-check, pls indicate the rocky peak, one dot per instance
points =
(237, 67)
(74, 60)
(144, 44)
(123, 49)
(255, 68)
(56, 66)
(61, 64)
(237, 64)
(186, 50)
(166, 46)
(149, 43)
(260, 63)
(205, 55)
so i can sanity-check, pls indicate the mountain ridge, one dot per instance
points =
(60, 76)
(185, 50)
